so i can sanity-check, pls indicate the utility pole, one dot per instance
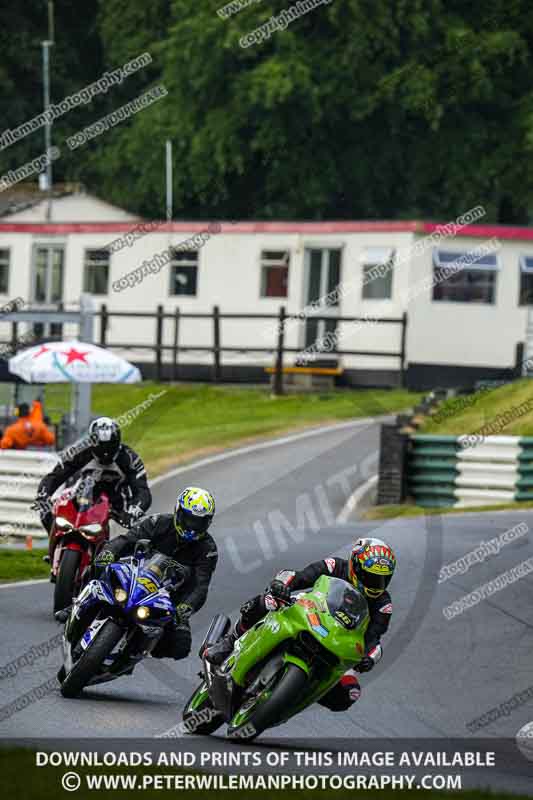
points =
(169, 179)
(46, 45)
(82, 392)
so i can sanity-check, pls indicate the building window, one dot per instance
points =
(526, 281)
(184, 272)
(4, 271)
(475, 282)
(378, 265)
(274, 273)
(96, 271)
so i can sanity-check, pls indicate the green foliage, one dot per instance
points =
(359, 109)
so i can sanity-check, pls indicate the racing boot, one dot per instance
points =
(63, 615)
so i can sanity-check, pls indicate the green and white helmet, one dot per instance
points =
(194, 512)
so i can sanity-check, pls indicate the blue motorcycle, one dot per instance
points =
(119, 618)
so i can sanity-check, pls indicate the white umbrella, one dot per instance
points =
(72, 362)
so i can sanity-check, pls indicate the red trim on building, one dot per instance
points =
(421, 228)
(226, 227)
(486, 231)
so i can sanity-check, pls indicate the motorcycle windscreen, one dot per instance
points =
(346, 604)
(166, 568)
(85, 496)
(158, 565)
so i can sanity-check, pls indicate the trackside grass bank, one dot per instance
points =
(22, 565)
(470, 413)
(187, 421)
(390, 512)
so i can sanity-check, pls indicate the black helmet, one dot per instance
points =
(104, 435)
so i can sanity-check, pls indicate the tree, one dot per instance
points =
(358, 109)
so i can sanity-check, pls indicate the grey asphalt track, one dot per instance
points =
(277, 508)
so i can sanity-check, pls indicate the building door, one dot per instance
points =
(47, 285)
(323, 270)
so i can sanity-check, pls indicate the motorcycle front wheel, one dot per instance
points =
(89, 663)
(66, 579)
(269, 706)
(199, 715)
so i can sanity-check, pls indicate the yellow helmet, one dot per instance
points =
(194, 512)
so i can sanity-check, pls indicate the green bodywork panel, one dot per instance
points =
(284, 625)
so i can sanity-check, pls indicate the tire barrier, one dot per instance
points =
(453, 471)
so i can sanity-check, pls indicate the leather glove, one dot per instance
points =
(365, 665)
(42, 503)
(279, 591)
(183, 612)
(134, 512)
(123, 518)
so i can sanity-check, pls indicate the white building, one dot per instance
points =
(458, 330)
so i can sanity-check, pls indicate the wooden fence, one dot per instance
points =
(217, 348)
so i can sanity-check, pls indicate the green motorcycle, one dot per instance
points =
(287, 661)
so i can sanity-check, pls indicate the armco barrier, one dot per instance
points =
(448, 471)
(20, 474)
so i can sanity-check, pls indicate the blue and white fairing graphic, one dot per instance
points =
(142, 585)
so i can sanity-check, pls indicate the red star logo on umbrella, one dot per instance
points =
(75, 355)
(44, 349)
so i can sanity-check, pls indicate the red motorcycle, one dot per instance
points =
(80, 528)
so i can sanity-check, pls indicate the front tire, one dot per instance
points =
(66, 579)
(265, 712)
(205, 705)
(88, 664)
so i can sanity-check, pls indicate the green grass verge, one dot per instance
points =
(190, 420)
(390, 512)
(21, 778)
(22, 565)
(469, 413)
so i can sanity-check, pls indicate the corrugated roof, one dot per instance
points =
(26, 195)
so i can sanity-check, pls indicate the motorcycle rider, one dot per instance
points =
(183, 536)
(117, 469)
(369, 568)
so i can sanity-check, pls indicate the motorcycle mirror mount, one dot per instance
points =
(178, 574)
(142, 548)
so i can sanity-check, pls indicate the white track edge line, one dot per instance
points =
(354, 499)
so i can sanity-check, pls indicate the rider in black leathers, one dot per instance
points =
(117, 469)
(183, 536)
